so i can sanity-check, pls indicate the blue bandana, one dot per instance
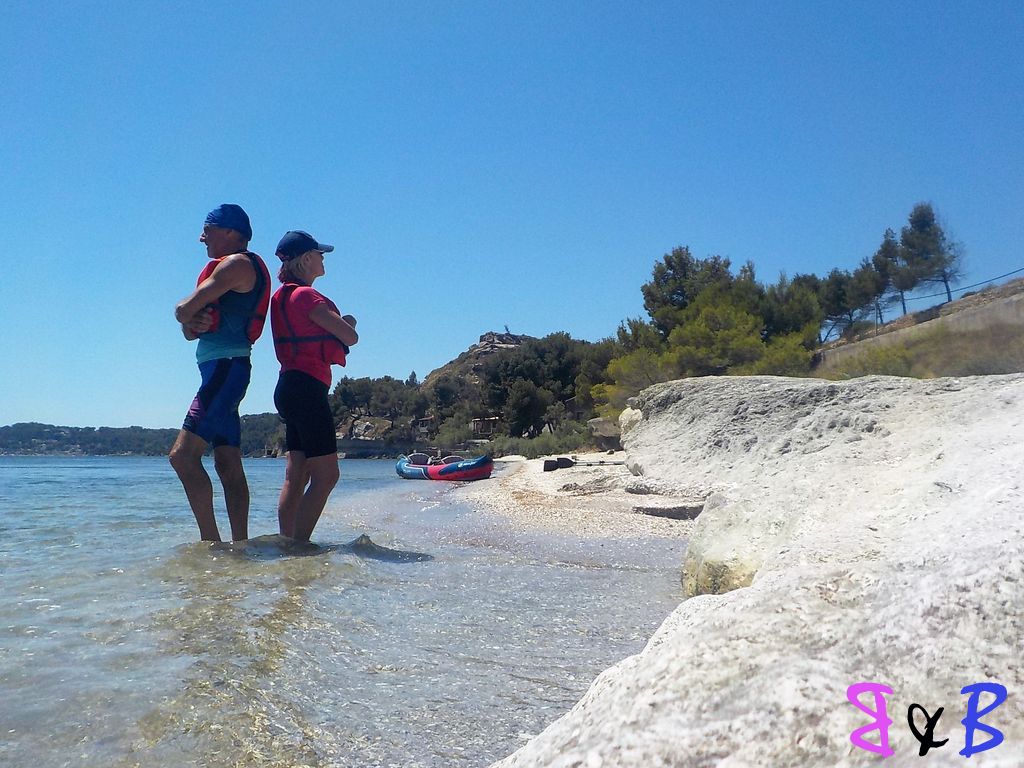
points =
(230, 216)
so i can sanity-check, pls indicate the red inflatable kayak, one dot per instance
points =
(417, 466)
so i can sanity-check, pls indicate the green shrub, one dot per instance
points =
(567, 438)
(454, 431)
(784, 356)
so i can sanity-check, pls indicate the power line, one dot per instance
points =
(965, 287)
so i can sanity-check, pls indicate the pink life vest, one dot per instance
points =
(289, 346)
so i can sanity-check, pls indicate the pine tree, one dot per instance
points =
(927, 251)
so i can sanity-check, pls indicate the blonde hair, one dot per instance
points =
(295, 270)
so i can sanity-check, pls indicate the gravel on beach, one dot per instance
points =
(587, 499)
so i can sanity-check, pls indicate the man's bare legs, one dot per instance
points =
(300, 505)
(227, 460)
(186, 457)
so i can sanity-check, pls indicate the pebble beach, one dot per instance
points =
(588, 499)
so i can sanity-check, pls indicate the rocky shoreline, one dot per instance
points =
(861, 531)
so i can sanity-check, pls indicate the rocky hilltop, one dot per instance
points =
(469, 363)
(863, 531)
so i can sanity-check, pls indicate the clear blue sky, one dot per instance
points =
(477, 164)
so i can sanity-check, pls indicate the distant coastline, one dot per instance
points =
(260, 438)
(36, 439)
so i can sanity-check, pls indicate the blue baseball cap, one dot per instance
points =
(296, 242)
(231, 216)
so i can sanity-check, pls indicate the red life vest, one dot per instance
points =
(258, 316)
(289, 345)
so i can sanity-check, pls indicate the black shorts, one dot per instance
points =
(302, 402)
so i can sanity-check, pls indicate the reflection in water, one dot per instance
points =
(241, 613)
(275, 546)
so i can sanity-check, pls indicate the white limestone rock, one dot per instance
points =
(877, 525)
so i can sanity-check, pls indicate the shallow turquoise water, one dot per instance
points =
(123, 641)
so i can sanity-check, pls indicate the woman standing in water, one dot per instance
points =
(309, 336)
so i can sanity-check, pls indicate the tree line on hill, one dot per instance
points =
(923, 255)
(703, 320)
(530, 388)
(707, 321)
(32, 438)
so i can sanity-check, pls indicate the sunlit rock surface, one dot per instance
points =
(868, 530)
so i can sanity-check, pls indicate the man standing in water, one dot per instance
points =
(225, 313)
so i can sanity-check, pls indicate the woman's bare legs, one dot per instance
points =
(307, 485)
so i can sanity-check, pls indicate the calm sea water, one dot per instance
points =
(125, 642)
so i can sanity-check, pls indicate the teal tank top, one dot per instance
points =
(231, 339)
